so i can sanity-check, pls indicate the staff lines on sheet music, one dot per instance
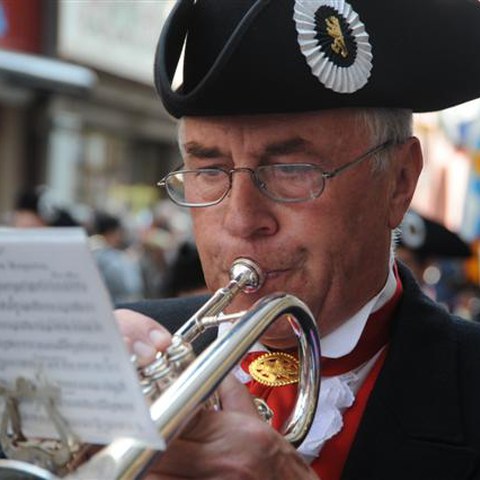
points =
(57, 364)
(60, 344)
(70, 325)
(129, 424)
(43, 286)
(19, 307)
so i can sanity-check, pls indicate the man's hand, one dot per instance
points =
(143, 335)
(230, 444)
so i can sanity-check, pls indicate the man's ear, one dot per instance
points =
(407, 163)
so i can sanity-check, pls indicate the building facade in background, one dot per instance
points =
(78, 111)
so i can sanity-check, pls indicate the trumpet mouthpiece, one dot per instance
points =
(248, 274)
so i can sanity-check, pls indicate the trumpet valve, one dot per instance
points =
(180, 354)
(156, 376)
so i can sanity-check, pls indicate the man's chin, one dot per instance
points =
(243, 302)
(279, 343)
(279, 336)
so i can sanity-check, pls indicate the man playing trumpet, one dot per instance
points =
(299, 155)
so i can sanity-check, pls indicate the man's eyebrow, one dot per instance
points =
(274, 149)
(287, 147)
(195, 149)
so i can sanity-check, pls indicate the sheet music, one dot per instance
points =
(57, 329)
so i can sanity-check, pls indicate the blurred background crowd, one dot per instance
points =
(84, 141)
(148, 255)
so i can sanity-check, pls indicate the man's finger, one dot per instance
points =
(235, 397)
(143, 336)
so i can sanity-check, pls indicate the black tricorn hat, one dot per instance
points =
(282, 56)
(428, 238)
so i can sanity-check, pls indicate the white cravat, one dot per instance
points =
(337, 393)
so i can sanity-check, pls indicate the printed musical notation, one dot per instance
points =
(57, 330)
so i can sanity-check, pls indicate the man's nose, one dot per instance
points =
(248, 211)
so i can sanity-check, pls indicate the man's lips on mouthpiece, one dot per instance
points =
(270, 274)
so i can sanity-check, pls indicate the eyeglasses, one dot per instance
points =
(281, 182)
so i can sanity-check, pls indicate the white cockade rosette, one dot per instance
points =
(331, 73)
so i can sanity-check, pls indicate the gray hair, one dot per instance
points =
(384, 124)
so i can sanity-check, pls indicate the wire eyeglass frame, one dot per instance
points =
(321, 178)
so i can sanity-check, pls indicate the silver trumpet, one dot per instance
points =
(178, 385)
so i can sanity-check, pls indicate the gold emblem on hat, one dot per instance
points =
(334, 30)
(275, 369)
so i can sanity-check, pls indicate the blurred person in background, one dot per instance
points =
(184, 275)
(36, 208)
(466, 301)
(119, 269)
(157, 241)
(435, 254)
(154, 247)
(168, 228)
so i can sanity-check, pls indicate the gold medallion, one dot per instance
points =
(275, 369)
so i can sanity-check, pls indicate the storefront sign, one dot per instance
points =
(115, 36)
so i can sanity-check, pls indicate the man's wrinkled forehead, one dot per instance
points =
(272, 136)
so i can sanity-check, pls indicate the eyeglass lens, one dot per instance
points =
(297, 182)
